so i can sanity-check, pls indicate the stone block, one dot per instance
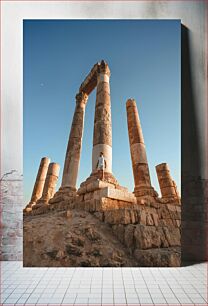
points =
(88, 196)
(166, 182)
(155, 218)
(172, 235)
(133, 216)
(116, 194)
(149, 219)
(119, 230)
(167, 257)
(146, 237)
(164, 213)
(121, 216)
(142, 219)
(129, 237)
(168, 191)
(164, 241)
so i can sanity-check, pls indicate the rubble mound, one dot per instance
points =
(78, 238)
(72, 238)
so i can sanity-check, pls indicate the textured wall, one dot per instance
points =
(11, 216)
(194, 105)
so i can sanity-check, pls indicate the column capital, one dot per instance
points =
(81, 98)
(103, 68)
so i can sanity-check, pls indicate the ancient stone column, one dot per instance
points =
(73, 152)
(138, 152)
(102, 137)
(167, 185)
(176, 189)
(50, 183)
(40, 181)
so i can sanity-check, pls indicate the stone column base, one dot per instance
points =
(29, 206)
(95, 176)
(145, 191)
(171, 199)
(39, 204)
(63, 194)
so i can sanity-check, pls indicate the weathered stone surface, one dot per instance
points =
(138, 152)
(167, 257)
(73, 152)
(40, 181)
(143, 217)
(11, 216)
(116, 194)
(50, 183)
(119, 231)
(172, 235)
(146, 237)
(167, 185)
(149, 220)
(155, 218)
(102, 136)
(121, 216)
(129, 238)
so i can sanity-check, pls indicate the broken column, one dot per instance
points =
(176, 189)
(50, 183)
(167, 185)
(102, 137)
(138, 152)
(40, 181)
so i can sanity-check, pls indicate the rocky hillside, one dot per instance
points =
(72, 238)
(78, 238)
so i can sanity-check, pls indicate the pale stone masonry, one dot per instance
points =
(39, 182)
(138, 152)
(50, 183)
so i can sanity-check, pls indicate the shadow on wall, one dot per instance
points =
(193, 239)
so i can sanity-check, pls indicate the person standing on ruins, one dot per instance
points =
(101, 165)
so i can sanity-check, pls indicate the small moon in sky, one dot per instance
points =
(41, 84)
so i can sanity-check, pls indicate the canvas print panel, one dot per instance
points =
(102, 143)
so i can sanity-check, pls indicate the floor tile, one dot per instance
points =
(109, 286)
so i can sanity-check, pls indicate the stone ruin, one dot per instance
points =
(141, 220)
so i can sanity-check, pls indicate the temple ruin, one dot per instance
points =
(105, 198)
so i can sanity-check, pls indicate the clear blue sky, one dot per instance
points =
(144, 58)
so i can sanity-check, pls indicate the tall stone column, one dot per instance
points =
(167, 185)
(73, 152)
(50, 183)
(138, 152)
(102, 137)
(40, 181)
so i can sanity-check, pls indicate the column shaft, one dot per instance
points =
(50, 183)
(40, 181)
(102, 137)
(73, 152)
(168, 187)
(138, 152)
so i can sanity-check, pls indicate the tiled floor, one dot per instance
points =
(103, 286)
